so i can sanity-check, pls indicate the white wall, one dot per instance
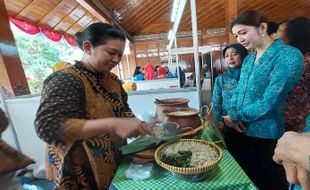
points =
(143, 104)
(156, 84)
(23, 111)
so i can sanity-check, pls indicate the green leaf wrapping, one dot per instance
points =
(146, 142)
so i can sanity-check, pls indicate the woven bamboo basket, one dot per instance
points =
(190, 170)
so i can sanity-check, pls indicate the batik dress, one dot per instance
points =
(298, 103)
(69, 98)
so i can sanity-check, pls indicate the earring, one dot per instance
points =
(263, 35)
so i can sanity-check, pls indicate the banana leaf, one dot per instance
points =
(212, 134)
(146, 142)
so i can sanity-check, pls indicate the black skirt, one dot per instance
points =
(254, 155)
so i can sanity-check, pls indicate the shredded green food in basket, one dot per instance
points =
(179, 159)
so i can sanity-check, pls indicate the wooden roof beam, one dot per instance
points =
(231, 12)
(101, 11)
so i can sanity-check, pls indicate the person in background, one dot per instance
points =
(149, 73)
(60, 65)
(292, 152)
(137, 70)
(169, 74)
(297, 34)
(130, 86)
(182, 76)
(11, 160)
(203, 70)
(273, 30)
(224, 87)
(84, 115)
(138, 74)
(281, 29)
(161, 72)
(257, 106)
(155, 70)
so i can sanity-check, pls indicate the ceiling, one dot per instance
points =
(153, 16)
(66, 16)
(140, 17)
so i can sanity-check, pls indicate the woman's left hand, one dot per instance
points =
(239, 127)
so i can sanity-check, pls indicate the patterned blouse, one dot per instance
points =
(298, 104)
(260, 97)
(224, 88)
(69, 98)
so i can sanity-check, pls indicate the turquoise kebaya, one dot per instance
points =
(260, 97)
(224, 88)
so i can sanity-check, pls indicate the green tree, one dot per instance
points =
(38, 55)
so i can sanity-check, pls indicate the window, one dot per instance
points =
(38, 54)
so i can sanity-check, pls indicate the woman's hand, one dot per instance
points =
(122, 127)
(290, 148)
(291, 153)
(291, 172)
(282, 151)
(297, 175)
(130, 127)
(239, 127)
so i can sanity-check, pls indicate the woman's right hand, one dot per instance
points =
(130, 127)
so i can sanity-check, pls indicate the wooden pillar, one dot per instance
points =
(231, 12)
(12, 76)
(132, 61)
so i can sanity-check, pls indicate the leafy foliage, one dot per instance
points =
(38, 55)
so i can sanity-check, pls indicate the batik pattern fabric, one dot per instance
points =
(4, 122)
(11, 159)
(260, 97)
(224, 88)
(298, 104)
(70, 97)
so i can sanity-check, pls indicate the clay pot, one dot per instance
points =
(169, 103)
(189, 121)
